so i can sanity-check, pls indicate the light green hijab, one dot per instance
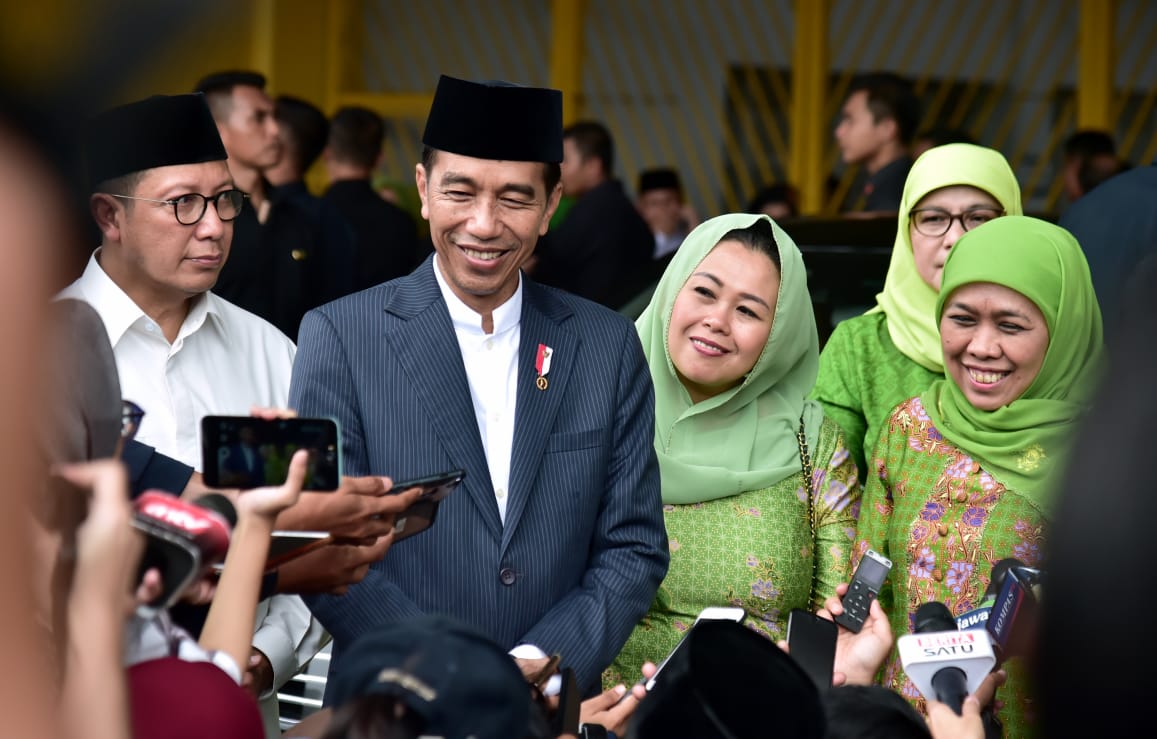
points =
(744, 438)
(1026, 442)
(908, 301)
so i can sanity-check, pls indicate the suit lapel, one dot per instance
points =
(427, 349)
(542, 322)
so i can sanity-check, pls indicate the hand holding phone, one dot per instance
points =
(811, 641)
(863, 589)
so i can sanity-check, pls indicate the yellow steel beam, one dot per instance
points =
(566, 44)
(1095, 64)
(809, 127)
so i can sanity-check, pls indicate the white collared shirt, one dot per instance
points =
(224, 361)
(491, 362)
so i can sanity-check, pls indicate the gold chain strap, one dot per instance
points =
(805, 460)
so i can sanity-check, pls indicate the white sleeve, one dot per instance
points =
(289, 635)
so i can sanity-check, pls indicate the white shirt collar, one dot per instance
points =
(119, 312)
(466, 319)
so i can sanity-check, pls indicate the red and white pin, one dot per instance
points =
(542, 365)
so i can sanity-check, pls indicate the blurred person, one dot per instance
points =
(872, 362)
(602, 251)
(1116, 226)
(661, 202)
(760, 495)
(554, 542)
(1079, 148)
(386, 237)
(1098, 169)
(164, 201)
(302, 129)
(280, 264)
(939, 136)
(777, 202)
(966, 473)
(877, 123)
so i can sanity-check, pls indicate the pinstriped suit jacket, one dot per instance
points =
(584, 537)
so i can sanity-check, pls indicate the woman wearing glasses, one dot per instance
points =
(874, 361)
(965, 474)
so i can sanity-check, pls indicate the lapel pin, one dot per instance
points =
(542, 365)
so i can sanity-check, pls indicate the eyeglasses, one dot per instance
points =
(131, 415)
(935, 222)
(190, 208)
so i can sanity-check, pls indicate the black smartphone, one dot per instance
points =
(246, 452)
(712, 613)
(566, 717)
(420, 516)
(811, 640)
(863, 589)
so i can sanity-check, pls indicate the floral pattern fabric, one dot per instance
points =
(943, 521)
(752, 550)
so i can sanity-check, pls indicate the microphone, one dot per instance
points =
(1012, 624)
(943, 662)
(183, 540)
(978, 617)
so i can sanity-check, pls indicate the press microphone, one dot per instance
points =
(942, 661)
(1012, 623)
(183, 540)
(978, 617)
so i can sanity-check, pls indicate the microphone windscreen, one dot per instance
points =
(218, 504)
(933, 616)
(999, 572)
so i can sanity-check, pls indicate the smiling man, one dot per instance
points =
(555, 542)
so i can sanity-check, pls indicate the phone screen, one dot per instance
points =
(872, 571)
(811, 640)
(246, 452)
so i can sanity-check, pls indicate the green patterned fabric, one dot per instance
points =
(1025, 443)
(744, 438)
(862, 377)
(907, 300)
(752, 550)
(944, 521)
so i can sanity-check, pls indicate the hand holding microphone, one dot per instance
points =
(943, 662)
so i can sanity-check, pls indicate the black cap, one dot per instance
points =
(460, 682)
(156, 132)
(227, 80)
(726, 680)
(659, 179)
(495, 120)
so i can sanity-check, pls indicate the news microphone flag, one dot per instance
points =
(923, 655)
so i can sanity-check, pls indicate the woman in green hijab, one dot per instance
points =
(731, 341)
(872, 362)
(965, 472)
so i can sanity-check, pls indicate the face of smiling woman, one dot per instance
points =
(994, 341)
(722, 319)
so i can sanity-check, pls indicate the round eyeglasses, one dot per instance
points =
(190, 208)
(131, 415)
(933, 222)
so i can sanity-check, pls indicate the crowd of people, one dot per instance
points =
(638, 398)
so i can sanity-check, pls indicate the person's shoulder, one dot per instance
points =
(235, 318)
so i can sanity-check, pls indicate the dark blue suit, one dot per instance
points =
(583, 549)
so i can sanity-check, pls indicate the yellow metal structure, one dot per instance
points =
(809, 123)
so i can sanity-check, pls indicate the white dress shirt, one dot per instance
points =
(491, 362)
(224, 361)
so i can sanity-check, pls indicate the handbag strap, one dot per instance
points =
(805, 461)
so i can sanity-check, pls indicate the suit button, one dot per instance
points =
(507, 576)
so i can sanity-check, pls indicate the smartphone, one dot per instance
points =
(711, 613)
(566, 718)
(246, 452)
(286, 546)
(811, 640)
(863, 589)
(420, 516)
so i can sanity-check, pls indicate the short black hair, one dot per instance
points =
(775, 194)
(592, 139)
(942, 135)
(871, 712)
(890, 96)
(551, 171)
(1089, 143)
(305, 127)
(759, 237)
(218, 88)
(356, 135)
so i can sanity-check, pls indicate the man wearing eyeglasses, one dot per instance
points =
(164, 201)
